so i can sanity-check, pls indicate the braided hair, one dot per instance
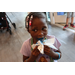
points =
(30, 17)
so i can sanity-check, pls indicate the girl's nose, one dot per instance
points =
(40, 34)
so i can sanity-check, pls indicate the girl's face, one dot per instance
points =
(38, 28)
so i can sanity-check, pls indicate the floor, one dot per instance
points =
(67, 40)
(10, 45)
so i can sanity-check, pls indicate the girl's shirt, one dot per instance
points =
(26, 49)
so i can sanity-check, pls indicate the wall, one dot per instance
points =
(52, 18)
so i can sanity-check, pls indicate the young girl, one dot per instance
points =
(36, 25)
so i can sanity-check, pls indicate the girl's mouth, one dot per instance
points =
(41, 39)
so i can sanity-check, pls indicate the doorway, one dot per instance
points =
(48, 16)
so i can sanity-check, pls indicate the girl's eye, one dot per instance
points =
(43, 28)
(34, 30)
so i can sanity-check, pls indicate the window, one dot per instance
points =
(61, 13)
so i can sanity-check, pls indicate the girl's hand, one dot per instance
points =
(51, 53)
(47, 50)
(35, 53)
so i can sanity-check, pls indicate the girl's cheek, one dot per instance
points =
(33, 34)
(45, 33)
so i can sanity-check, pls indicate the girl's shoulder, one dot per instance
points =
(26, 48)
(50, 36)
(26, 42)
(57, 43)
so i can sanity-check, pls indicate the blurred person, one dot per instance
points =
(70, 15)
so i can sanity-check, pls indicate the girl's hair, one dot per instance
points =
(33, 15)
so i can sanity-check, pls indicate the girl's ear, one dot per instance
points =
(28, 30)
